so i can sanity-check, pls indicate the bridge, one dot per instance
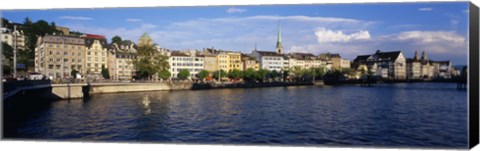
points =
(14, 87)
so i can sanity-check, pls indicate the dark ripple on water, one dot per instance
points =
(417, 115)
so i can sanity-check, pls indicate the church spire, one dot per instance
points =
(279, 39)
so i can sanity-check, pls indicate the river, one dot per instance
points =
(390, 115)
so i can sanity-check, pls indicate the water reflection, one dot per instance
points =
(427, 115)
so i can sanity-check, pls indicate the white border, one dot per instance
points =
(82, 146)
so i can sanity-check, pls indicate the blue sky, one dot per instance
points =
(440, 29)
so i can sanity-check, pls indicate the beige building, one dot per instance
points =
(210, 61)
(8, 37)
(65, 31)
(57, 56)
(249, 62)
(96, 56)
(120, 61)
(388, 65)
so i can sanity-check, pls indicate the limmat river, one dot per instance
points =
(428, 115)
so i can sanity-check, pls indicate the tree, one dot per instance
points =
(262, 74)
(183, 74)
(149, 61)
(203, 74)
(105, 73)
(274, 74)
(235, 74)
(7, 62)
(74, 73)
(116, 40)
(286, 73)
(250, 74)
(220, 73)
(164, 74)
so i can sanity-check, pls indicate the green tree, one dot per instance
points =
(286, 73)
(7, 62)
(235, 74)
(149, 61)
(274, 74)
(203, 74)
(183, 74)
(220, 73)
(164, 74)
(105, 73)
(116, 40)
(74, 73)
(31, 32)
(250, 74)
(262, 74)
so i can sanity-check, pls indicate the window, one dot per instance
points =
(73, 53)
(58, 59)
(89, 64)
(89, 59)
(50, 66)
(51, 59)
(96, 53)
(103, 59)
(73, 60)
(88, 53)
(50, 52)
(65, 60)
(79, 60)
(58, 52)
(96, 58)
(79, 54)
(96, 65)
(65, 53)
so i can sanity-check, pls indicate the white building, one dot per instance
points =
(269, 60)
(190, 60)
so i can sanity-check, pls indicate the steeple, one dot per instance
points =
(424, 56)
(255, 46)
(416, 56)
(279, 40)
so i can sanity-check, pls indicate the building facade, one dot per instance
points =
(120, 61)
(96, 56)
(10, 37)
(57, 56)
(190, 60)
(249, 62)
(387, 65)
(269, 60)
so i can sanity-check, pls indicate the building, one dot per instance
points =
(249, 62)
(144, 40)
(56, 56)
(96, 48)
(64, 30)
(120, 61)
(269, 60)
(227, 60)
(388, 65)
(304, 60)
(190, 60)
(8, 36)
(426, 69)
(209, 61)
(334, 61)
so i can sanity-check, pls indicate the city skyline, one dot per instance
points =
(432, 27)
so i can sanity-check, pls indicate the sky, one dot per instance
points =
(440, 29)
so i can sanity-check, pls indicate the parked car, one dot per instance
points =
(35, 76)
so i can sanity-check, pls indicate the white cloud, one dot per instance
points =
(440, 45)
(425, 9)
(235, 10)
(133, 20)
(75, 18)
(431, 37)
(324, 36)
